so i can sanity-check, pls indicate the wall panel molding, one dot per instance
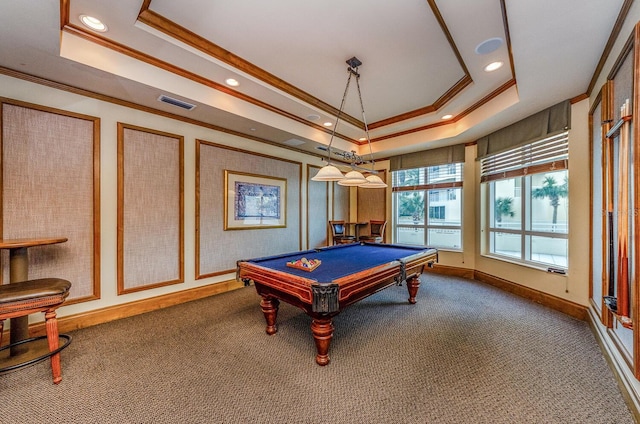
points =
(51, 188)
(150, 209)
(218, 250)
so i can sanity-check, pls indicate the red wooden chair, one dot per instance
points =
(28, 297)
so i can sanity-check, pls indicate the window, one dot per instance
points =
(517, 189)
(436, 190)
(527, 202)
(436, 212)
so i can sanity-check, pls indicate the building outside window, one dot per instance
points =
(526, 199)
(435, 190)
(436, 212)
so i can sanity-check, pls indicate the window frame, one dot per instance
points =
(428, 191)
(522, 174)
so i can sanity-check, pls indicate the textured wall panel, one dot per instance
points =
(150, 209)
(217, 249)
(340, 203)
(49, 190)
(317, 209)
(623, 86)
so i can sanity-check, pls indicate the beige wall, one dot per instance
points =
(110, 115)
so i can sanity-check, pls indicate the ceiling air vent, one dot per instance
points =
(176, 102)
(293, 142)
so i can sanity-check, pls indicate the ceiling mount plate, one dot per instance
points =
(354, 62)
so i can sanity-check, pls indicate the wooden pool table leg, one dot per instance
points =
(413, 283)
(269, 307)
(322, 329)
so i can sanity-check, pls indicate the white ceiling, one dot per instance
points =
(418, 62)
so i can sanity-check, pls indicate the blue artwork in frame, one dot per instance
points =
(254, 201)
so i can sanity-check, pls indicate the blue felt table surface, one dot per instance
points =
(340, 261)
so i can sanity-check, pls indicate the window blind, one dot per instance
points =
(427, 178)
(545, 155)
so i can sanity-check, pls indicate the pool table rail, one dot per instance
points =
(293, 285)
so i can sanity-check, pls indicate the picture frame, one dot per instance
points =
(254, 201)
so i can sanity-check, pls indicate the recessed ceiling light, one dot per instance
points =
(313, 117)
(232, 82)
(447, 117)
(493, 66)
(362, 139)
(328, 124)
(93, 23)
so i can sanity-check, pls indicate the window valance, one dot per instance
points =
(439, 156)
(546, 123)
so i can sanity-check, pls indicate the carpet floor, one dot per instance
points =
(465, 353)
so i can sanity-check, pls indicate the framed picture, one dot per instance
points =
(254, 201)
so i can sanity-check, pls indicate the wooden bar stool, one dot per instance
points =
(28, 297)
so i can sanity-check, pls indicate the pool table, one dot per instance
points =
(347, 273)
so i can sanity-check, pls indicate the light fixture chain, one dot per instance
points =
(353, 177)
(364, 118)
(335, 126)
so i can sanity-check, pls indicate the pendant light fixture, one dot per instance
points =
(353, 177)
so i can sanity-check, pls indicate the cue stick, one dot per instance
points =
(612, 265)
(623, 223)
(608, 165)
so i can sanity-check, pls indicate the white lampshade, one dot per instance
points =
(373, 181)
(328, 173)
(352, 178)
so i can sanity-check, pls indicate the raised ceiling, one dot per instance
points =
(421, 60)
